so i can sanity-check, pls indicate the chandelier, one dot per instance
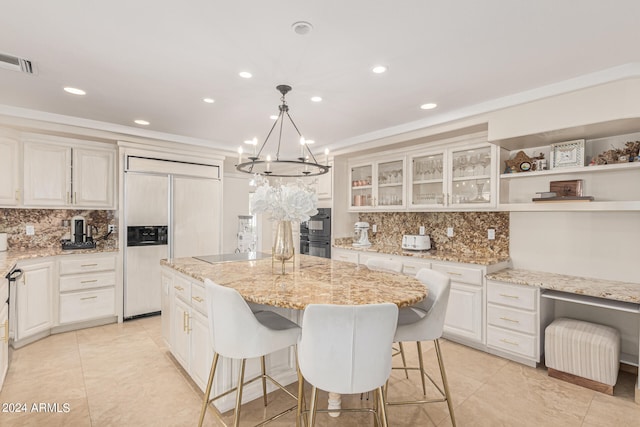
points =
(305, 165)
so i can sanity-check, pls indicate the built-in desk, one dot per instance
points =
(610, 303)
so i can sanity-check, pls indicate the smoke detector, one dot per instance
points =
(13, 63)
(302, 27)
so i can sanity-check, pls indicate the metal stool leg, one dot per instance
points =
(404, 360)
(207, 393)
(314, 406)
(422, 373)
(383, 409)
(264, 381)
(445, 382)
(236, 420)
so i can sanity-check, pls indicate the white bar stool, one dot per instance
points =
(238, 333)
(345, 349)
(424, 322)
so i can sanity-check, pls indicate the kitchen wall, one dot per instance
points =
(470, 230)
(49, 229)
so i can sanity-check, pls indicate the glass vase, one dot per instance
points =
(283, 248)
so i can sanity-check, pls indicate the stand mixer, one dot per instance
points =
(361, 234)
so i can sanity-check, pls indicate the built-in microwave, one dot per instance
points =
(320, 224)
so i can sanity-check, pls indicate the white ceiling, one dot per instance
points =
(157, 59)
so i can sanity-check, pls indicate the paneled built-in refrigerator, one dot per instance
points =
(167, 215)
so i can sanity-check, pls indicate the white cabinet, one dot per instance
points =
(87, 287)
(464, 320)
(47, 174)
(166, 301)
(4, 342)
(34, 300)
(377, 184)
(516, 318)
(345, 255)
(324, 184)
(68, 174)
(9, 172)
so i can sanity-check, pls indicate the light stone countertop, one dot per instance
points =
(608, 289)
(9, 258)
(313, 281)
(433, 255)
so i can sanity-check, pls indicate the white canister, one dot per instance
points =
(3, 242)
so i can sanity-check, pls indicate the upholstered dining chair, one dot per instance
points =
(424, 321)
(238, 333)
(390, 266)
(345, 349)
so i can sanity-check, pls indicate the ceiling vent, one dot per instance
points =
(14, 63)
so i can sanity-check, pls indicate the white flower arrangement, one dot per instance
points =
(284, 202)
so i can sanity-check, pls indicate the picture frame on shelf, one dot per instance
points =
(567, 154)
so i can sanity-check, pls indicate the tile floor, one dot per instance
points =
(123, 375)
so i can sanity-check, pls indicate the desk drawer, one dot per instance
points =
(512, 295)
(511, 318)
(83, 265)
(471, 276)
(87, 281)
(514, 342)
(198, 300)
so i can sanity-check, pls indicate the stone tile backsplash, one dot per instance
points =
(49, 229)
(470, 230)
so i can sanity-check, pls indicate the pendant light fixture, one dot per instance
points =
(305, 165)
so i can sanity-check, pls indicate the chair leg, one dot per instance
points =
(376, 409)
(445, 383)
(404, 360)
(301, 403)
(236, 420)
(383, 408)
(264, 380)
(314, 406)
(422, 373)
(207, 393)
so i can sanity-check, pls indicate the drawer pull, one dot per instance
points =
(454, 274)
(88, 265)
(93, 297)
(89, 281)
(197, 299)
(506, 341)
(509, 320)
(510, 296)
(178, 288)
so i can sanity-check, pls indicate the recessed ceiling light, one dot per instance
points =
(74, 90)
(245, 74)
(273, 117)
(142, 122)
(379, 69)
(429, 106)
(302, 27)
(208, 100)
(316, 98)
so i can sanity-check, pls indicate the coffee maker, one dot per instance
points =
(80, 236)
(361, 234)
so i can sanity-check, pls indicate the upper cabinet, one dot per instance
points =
(68, 175)
(9, 172)
(455, 174)
(377, 184)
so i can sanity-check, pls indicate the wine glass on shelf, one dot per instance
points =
(485, 160)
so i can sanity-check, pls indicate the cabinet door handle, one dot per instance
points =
(197, 299)
(88, 265)
(454, 274)
(510, 296)
(18, 195)
(178, 288)
(85, 298)
(6, 331)
(509, 320)
(89, 281)
(68, 201)
(506, 341)
(75, 197)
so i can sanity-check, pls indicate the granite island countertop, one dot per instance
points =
(9, 258)
(434, 255)
(608, 289)
(311, 280)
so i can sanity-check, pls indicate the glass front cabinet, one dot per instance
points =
(377, 185)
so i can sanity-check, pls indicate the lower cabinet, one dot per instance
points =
(189, 341)
(4, 342)
(34, 300)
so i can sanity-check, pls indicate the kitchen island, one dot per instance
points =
(309, 280)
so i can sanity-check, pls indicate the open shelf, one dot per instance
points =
(573, 170)
(626, 205)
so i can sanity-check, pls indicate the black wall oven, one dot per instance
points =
(315, 234)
